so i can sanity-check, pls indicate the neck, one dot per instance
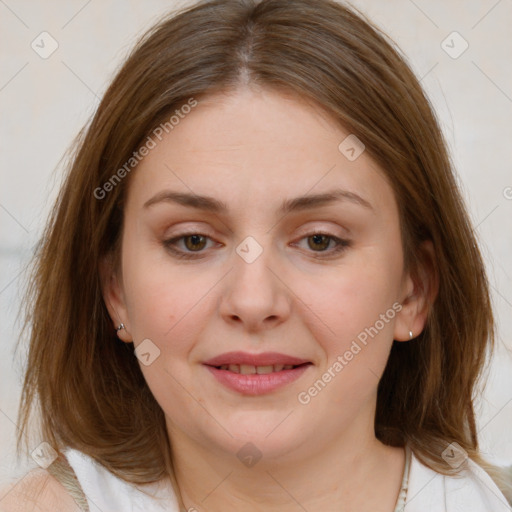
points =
(347, 472)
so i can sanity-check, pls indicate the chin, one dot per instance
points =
(273, 439)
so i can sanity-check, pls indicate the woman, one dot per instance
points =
(259, 288)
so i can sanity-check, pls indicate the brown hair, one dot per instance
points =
(92, 393)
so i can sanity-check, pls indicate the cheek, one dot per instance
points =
(160, 300)
(352, 312)
(165, 308)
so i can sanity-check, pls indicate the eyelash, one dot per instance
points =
(342, 245)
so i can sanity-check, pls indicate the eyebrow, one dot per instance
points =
(305, 202)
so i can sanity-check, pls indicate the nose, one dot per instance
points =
(255, 295)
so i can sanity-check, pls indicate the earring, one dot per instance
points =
(410, 334)
(120, 328)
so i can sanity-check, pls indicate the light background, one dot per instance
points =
(44, 103)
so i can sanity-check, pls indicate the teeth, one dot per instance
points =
(260, 370)
(248, 369)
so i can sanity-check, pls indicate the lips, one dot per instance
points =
(256, 374)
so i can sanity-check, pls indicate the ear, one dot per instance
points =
(419, 290)
(113, 295)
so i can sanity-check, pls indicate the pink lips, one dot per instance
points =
(256, 384)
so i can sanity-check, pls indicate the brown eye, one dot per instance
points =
(319, 241)
(319, 245)
(194, 242)
(188, 245)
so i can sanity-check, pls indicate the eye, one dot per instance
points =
(193, 242)
(319, 243)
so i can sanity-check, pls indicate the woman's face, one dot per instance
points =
(320, 280)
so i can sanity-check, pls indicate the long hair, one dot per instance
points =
(91, 391)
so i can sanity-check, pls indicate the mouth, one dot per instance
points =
(252, 380)
(248, 369)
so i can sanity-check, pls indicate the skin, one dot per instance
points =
(252, 149)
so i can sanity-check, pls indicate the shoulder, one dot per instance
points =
(471, 489)
(109, 492)
(37, 491)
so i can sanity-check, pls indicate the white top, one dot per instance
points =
(472, 491)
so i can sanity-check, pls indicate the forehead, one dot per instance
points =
(256, 145)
